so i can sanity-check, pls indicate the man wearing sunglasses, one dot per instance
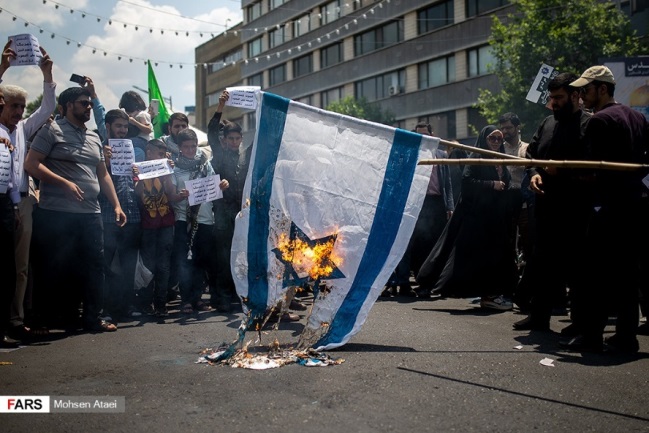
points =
(614, 133)
(68, 253)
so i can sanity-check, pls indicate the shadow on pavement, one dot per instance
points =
(526, 395)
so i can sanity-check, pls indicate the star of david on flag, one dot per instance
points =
(331, 201)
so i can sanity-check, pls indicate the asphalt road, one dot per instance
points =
(435, 366)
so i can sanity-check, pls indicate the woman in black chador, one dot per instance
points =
(475, 254)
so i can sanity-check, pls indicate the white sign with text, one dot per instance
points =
(153, 168)
(243, 96)
(204, 189)
(27, 48)
(123, 157)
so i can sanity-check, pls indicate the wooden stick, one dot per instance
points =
(472, 149)
(602, 165)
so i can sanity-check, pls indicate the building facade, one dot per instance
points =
(423, 60)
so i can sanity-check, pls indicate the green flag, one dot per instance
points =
(159, 121)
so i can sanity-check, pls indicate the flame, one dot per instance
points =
(318, 261)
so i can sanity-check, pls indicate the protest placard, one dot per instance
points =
(539, 91)
(27, 48)
(123, 157)
(153, 168)
(5, 168)
(204, 189)
(243, 96)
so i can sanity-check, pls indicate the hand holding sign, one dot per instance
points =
(204, 189)
(27, 49)
(153, 168)
(122, 156)
(243, 96)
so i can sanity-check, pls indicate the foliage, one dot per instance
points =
(361, 109)
(33, 106)
(570, 36)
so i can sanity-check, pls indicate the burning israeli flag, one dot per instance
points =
(330, 201)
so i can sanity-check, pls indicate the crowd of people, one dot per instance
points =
(75, 237)
(548, 236)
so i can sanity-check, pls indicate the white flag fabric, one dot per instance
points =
(347, 189)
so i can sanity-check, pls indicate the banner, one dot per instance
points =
(330, 201)
(159, 121)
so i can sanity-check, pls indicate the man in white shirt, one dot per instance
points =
(20, 131)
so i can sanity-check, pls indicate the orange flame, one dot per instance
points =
(317, 261)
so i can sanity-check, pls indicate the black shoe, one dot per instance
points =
(9, 343)
(643, 329)
(615, 343)
(423, 293)
(581, 343)
(529, 324)
(406, 291)
(387, 292)
(570, 331)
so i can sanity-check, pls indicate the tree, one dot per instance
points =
(568, 35)
(33, 106)
(361, 109)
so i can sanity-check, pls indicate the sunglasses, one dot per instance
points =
(495, 138)
(84, 103)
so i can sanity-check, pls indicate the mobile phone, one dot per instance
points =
(79, 79)
(155, 106)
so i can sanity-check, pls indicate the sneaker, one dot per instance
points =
(496, 303)
(161, 312)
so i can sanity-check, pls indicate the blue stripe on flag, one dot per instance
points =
(269, 139)
(398, 178)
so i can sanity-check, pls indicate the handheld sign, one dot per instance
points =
(243, 96)
(27, 48)
(539, 92)
(123, 157)
(204, 189)
(5, 168)
(154, 168)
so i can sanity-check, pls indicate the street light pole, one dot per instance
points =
(166, 99)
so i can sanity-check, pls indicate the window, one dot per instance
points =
(213, 98)
(435, 16)
(379, 87)
(331, 95)
(254, 47)
(302, 25)
(305, 100)
(277, 74)
(476, 120)
(331, 55)
(272, 4)
(443, 124)
(329, 12)
(303, 65)
(276, 37)
(436, 72)
(253, 12)
(256, 80)
(251, 120)
(476, 7)
(228, 59)
(377, 38)
(479, 60)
